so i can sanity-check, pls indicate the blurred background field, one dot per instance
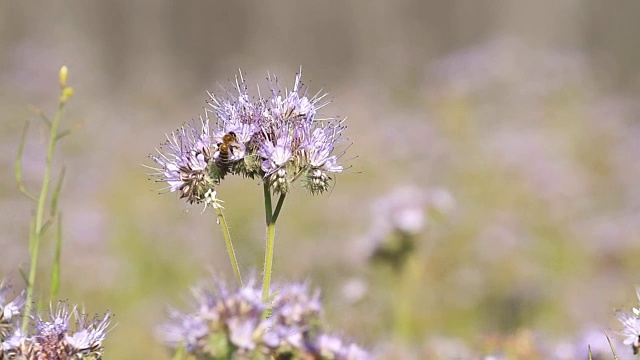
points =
(516, 120)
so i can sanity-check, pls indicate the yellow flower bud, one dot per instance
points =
(64, 72)
(67, 93)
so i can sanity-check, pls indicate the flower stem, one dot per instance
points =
(271, 232)
(39, 223)
(229, 244)
(276, 212)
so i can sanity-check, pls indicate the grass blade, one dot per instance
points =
(63, 134)
(40, 113)
(613, 350)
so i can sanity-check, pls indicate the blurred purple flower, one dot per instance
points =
(399, 218)
(243, 325)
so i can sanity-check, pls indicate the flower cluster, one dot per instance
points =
(51, 337)
(399, 217)
(232, 324)
(9, 310)
(278, 138)
(631, 323)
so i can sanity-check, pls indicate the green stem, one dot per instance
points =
(271, 232)
(276, 212)
(409, 277)
(229, 244)
(40, 212)
(55, 271)
(402, 308)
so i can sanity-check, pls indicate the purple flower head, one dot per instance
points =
(631, 330)
(55, 338)
(184, 159)
(277, 136)
(296, 305)
(89, 334)
(291, 106)
(15, 344)
(320, 145)
(332, 347)
(237, 107)
(230, 322)
(9, 310)
(234, 315)
(281, 134)
(631, 326)
(55, 325)
(184, 330)
(275, 155)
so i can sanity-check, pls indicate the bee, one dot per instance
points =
(225, 150)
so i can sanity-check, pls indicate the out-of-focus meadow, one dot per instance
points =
(515, 120)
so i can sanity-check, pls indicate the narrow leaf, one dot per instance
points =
(45, 227)
(63, 134)
(18, 166)
(23, 275)
(56, 193)
(39, 112)
(55, 271)
(613, 350)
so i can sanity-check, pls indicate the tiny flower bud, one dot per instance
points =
(64, 72)
(67, 93)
